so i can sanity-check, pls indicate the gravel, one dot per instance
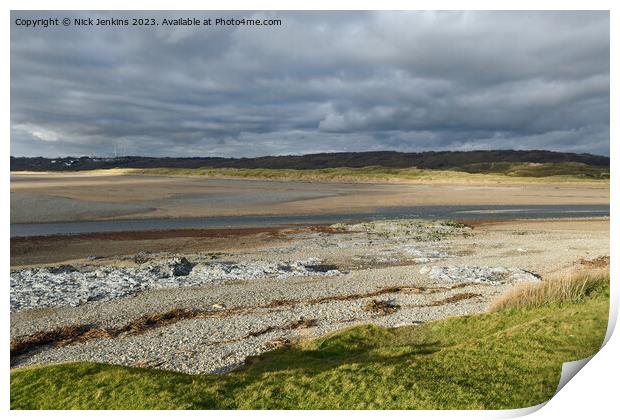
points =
(216, 345)
(488, 275)
(263, 293)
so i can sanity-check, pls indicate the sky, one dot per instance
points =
(319, 82)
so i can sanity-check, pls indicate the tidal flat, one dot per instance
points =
(203, 300)
(54, 197)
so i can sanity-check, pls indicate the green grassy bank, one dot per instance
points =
(491, 172)
(509, 358)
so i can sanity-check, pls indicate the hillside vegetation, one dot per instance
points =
(487, 161)
(510, 358)
(543, 172)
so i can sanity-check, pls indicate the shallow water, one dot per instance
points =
(417, 212)
(52, 199)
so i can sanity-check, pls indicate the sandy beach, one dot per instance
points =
(68, 197)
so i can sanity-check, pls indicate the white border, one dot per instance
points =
(594, 390)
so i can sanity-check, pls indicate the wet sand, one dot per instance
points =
(34, 251)
(37, 198)
(71, 248)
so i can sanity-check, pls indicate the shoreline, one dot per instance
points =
(250, 229)
(243, 294)
(35, 251)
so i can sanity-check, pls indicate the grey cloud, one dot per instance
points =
(324, 81)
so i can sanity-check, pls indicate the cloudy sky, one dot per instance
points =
(320, 82)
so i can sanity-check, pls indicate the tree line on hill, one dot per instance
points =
(470, 161)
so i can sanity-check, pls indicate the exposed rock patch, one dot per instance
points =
(45, 287)
(62, 269)
(420, 230)
(177, 267)
(483, 274)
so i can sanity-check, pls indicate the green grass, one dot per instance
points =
(500, 172)
(541, 170)
(506, 359)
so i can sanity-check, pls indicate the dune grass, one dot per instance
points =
(562, 289)
(494, 172)
(515, 173)
(540, 170)
(509, 358)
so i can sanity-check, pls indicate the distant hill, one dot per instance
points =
(473, 161)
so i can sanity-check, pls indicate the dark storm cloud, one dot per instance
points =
(324, 81)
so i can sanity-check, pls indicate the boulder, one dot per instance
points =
(181, 267)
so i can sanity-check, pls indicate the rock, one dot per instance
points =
(321, 268)
(62, 269)
(159, 272)
(181, 267)
(285, 268)
(176, 267)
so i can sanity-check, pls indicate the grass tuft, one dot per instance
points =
(558, 290)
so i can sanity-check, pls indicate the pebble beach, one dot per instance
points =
(207, 312)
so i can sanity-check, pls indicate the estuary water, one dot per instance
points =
(411, 212)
